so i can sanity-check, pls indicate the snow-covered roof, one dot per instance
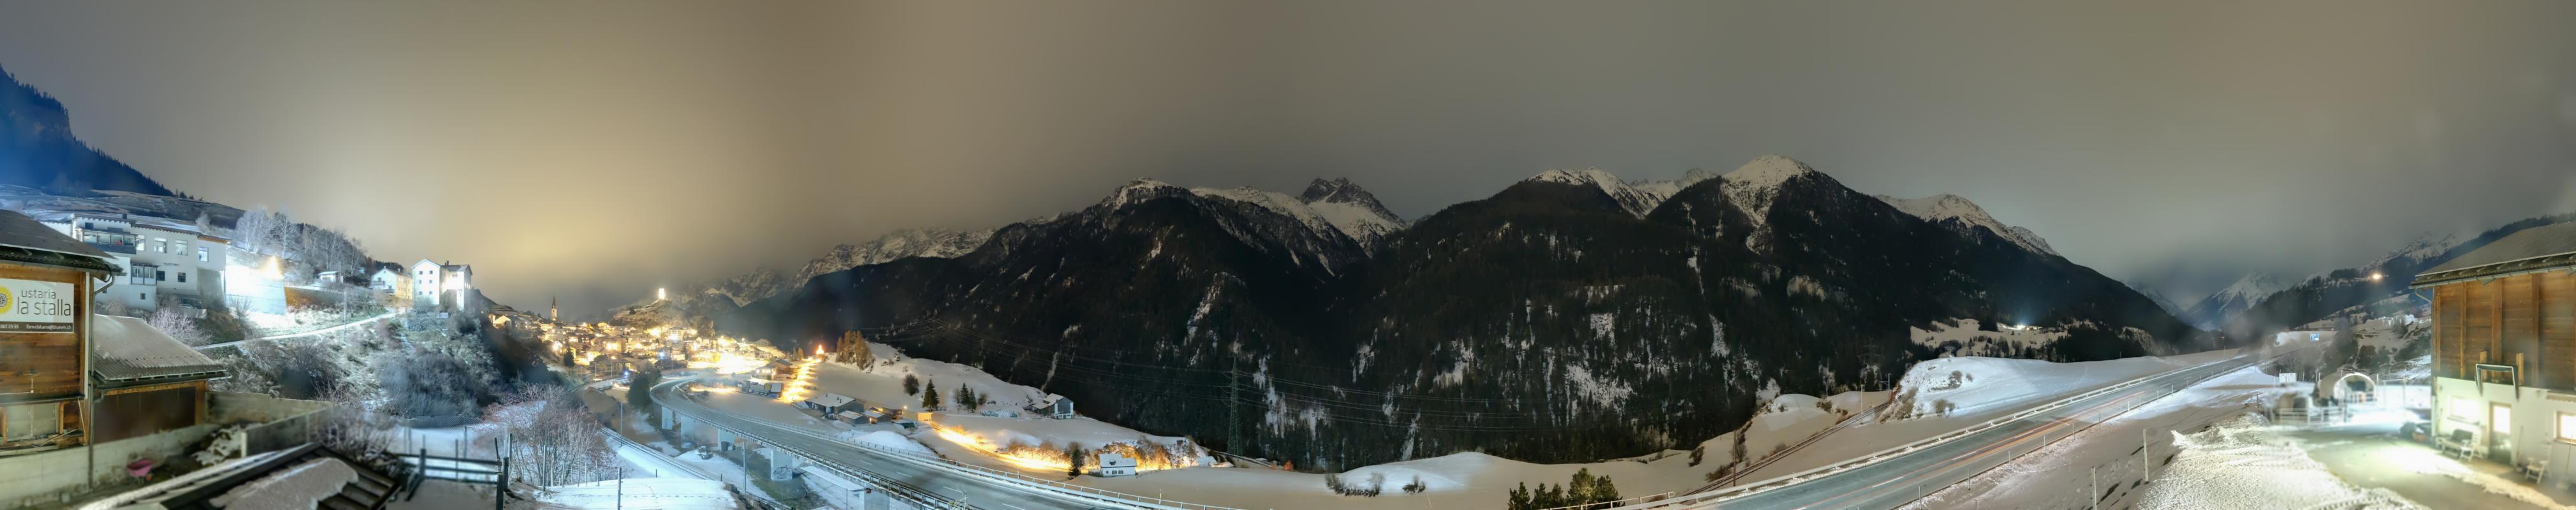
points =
(24, 240)
(831, 400)
(2547, 247)
(1109, 460)
(130, 351)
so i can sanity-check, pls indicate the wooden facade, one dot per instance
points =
(2524, 321)
(41, 373)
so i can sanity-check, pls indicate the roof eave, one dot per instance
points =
(2497, 270)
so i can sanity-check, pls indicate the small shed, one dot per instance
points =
(1112, 464)
(1053, 406)
(830, 403)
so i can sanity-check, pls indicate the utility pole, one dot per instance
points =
(2094, 495)
(2146, 456)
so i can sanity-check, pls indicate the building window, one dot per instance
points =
(2566, 428)
(29, 421)
(160, 276)
(183, 277)
(201, 254)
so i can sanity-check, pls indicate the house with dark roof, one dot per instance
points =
(2504, 346)
(46, 280)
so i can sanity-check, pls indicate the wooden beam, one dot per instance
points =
(155, 387)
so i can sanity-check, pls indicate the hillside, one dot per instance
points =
(1555, 306)
(38, 149)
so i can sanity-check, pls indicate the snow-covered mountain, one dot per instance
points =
(764, 282)
(1575, 288)
(1638, 198)
(1959, 214)
(2166, 303)
(1352, 210)
(2214, 311)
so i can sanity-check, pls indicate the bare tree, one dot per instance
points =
(171, 321)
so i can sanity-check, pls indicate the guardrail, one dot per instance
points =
(1007, 477)
(897, 488)
(1667, 500)
(702, 473)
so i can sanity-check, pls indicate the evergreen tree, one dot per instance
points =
(1520, 499)
(967, 399)
(1579, 490)
(930, 397)
(1603, 491)
(1073, 455)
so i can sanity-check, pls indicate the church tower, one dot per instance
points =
(553, 311)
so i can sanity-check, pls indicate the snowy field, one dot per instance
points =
(653, 493)
(2242, 464)
(2112, 448)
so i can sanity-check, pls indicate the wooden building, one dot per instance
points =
(46, 279)
(2504, 346)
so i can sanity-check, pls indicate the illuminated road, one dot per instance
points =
(975, 491)
(1910, 476)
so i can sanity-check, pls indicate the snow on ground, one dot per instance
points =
(654, 464)
(1988, 388)
(2111, 447)
(881, 383)
(2243, 464)
(642, 494)
(301, 486)
(886, 439)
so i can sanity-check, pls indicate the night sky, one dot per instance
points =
(596, 151)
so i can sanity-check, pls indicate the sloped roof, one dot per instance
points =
(25, 240)
(2533, 248)
(831, 400)
(130, 351)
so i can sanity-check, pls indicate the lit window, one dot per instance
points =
(2567, 427)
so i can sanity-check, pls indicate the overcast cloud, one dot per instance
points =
(596, 151)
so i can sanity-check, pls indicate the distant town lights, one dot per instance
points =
(2375, 277)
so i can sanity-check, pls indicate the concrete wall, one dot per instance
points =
(54, 475)
(2461, 404)
(281, 423)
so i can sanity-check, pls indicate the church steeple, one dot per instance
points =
(553, 312)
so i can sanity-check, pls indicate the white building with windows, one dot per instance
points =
(174, 259)
(435, 284)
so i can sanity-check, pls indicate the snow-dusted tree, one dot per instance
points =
(930, 396)
(552, 439)
(911, 385)
(262, 231)
(176, 323)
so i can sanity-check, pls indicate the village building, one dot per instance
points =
(2504, 347)
(1053, 406)
(98, 391)
(1112, 465)
(440, 285)
(176, 259)
(831, 403)
(392, 285)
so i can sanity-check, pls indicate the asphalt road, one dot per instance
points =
(1905, 478)
(975, 491)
